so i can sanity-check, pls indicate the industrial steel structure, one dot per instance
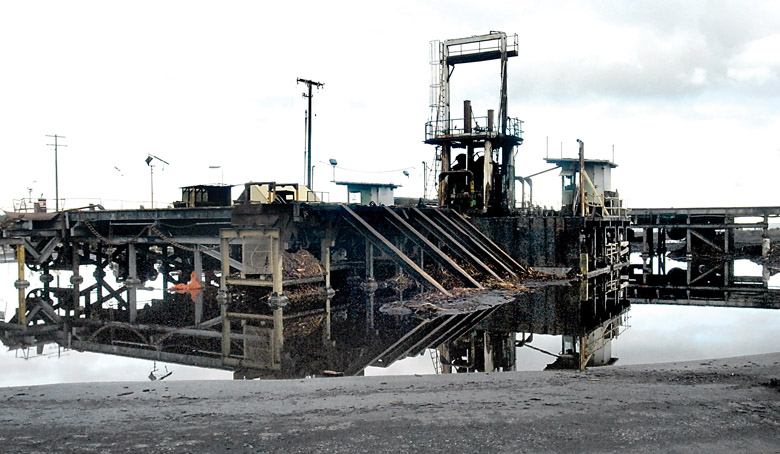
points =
(483, 177)
(241, 273)
(704, 243)
(274, 283)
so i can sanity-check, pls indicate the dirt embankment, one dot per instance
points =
(727, 405)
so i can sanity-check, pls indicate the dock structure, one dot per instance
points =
(704, 244)
(269, 285)
(241, 274)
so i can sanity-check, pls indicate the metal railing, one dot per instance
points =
(456, 127)
(487, 45)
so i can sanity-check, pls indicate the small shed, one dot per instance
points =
(204, 195)
(365, 193)
(599, 172)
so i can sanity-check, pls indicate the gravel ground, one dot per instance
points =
(726, 405)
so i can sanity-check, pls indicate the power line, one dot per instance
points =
(370, 171)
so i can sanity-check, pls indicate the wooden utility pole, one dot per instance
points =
(309, 84)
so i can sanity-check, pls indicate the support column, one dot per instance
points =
(688, 255)
(198, 264)
(487, 166)
(278, 343)
(325, 245)
(98, 274)
(76, 281)
(131, 283)
(369, 261)
(278, 299)
(445, 167)
(222, 296)
(327, 335)
(21, 285)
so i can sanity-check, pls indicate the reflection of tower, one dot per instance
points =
(479, 351)
(482, 180)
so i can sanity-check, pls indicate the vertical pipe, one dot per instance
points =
(445, 167)
(487, 167)
(467, 129)
(522, 193)
(467, 116)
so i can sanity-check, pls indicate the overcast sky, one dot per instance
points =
(687, 92)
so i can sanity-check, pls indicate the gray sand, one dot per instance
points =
(725, 405)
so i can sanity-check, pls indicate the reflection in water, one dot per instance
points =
(587, 329)
(460, 341)
(359, 332)
(347, 336)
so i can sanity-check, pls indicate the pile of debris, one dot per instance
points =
(300, 264)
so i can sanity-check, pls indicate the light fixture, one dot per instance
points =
(334, 163)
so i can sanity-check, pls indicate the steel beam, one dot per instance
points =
(453, 243)
(393, 252)
(419, 239)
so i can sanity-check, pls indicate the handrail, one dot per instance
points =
(438, 128)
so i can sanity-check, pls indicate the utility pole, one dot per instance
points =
(56, 171)
(309, 84)
(149, 159)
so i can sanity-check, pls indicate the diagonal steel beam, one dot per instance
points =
(47, 250)
(454, 243)
(475, 244)
(393, 252)
(419, 239)
(466, 224)
(708, 272)
(701, 237)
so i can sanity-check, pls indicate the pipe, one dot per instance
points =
(444, 174)
(527, 179)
